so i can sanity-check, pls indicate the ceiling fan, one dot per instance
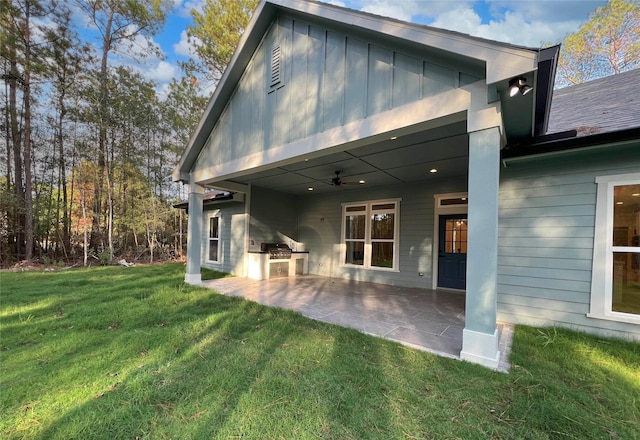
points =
(338, 181)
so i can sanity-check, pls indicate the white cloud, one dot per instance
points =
(521, 22)
(162, 72)
(184, 47)
(184, 8)
(513, 27)
(140, 47)
(407, 10)
(402, 10)
(549, 10)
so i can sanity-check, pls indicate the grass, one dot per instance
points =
(133, 353)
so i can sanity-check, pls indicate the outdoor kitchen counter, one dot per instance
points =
(261, 267)
(265, 252)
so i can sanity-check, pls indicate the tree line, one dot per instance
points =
(88, 145)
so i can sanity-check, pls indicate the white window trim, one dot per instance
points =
(215, 214)
(367, 235)
(603, 249)
(439, 198)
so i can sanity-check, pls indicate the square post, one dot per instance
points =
(194, 234)
(480, 335)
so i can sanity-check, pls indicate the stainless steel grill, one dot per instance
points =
(276, 251)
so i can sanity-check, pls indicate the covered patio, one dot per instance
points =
(424, 319)
(353, 137)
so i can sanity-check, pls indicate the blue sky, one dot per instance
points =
(523, 22)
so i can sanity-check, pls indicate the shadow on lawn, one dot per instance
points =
(193, 374)
(595, 383)
(183, 384)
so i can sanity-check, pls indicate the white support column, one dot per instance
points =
(194, 235)
(480, 335)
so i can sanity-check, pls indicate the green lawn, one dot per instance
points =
(133, 353)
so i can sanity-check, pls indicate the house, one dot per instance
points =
(383, 151)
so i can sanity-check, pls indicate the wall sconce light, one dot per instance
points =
(519, 85)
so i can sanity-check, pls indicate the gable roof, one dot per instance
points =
(599, 106)
(501, 61)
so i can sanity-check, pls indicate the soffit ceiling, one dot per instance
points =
(406, 159)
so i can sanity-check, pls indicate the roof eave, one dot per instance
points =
(547, 64)
(259, 23)
(568, 141)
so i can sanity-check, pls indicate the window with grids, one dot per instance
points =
(214, 239)
(370, 234)
(615, 286)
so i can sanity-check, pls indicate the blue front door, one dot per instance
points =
(452, 255)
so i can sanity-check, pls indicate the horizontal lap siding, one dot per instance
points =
(319, 229)
(546, 230)
(231, 238)
(273, 218)
(320, 221)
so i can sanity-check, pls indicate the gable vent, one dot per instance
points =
(276, 70)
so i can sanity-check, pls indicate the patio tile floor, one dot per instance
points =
(420, 318)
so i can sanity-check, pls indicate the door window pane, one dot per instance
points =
(454, 201)
(456, 236)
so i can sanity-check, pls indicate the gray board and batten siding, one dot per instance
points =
(326, 79)
(546, 237)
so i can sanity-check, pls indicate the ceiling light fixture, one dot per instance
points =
(310, 188)
(433, 170)
(361, 182)
(519, 85)
(635, 195)
(393, 138)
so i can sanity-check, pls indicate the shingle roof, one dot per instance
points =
(600, 106)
